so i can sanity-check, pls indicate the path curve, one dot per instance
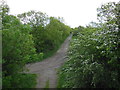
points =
(47, 69)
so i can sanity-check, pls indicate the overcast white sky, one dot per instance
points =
(74, 12)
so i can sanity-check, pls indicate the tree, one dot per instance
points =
(110, 14)
(4, 8)
(34, 19)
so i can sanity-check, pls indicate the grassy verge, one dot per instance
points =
(20, 81)
(61, 74)
(47, 85)
(61, 77)
(52, 52)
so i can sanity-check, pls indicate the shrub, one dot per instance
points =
(93, 59)
(20, 81)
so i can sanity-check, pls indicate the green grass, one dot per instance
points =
(20, 81)
(47, 84)
(52, 52)
(61, 77)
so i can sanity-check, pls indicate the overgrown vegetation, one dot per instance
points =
(94, 53)
(27, 38)
(20, 81)
(93, 56)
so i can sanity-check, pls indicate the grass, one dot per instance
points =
(61, 75)
(60, 78)
(47, 84)
(52, 52)
(20, 81)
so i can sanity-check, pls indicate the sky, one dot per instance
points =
(74, 12)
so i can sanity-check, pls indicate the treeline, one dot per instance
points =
(94, 53)
(27, 38)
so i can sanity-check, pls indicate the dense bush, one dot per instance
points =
(20, 81)
(93, 57)
(18, 46)
(56, 29)
(18, 49)
(44, 30)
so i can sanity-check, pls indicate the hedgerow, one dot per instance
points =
(93, 56)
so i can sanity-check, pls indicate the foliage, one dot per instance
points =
(10, 21)
(34, 18)
(4, 8)
(93, 57)
(45, 30)
(20, 81)
(27, 38)
(56, 29)
(18, 48)
(77, 30)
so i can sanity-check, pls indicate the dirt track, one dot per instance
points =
(47, 69)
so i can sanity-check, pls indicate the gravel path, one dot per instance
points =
(47, 69)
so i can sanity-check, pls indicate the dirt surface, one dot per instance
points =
(47, 69)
